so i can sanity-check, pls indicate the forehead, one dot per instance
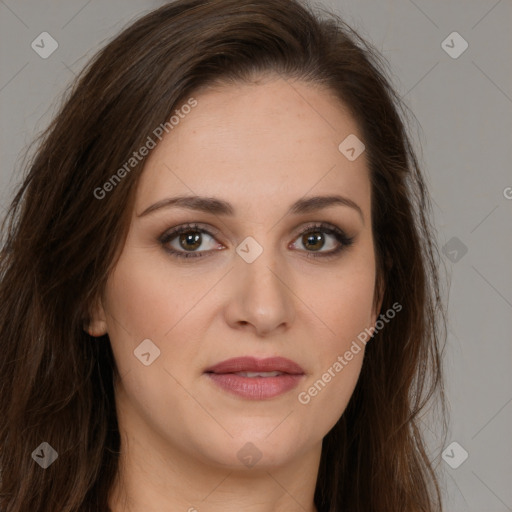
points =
(253, 142)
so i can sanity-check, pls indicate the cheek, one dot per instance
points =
(342, 300)
(147, 299)
(141, 305)
(338, 355)
(326, 396)
(343, 303)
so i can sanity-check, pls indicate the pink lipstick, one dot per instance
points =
(256, 379)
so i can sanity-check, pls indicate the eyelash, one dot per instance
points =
(344, 240)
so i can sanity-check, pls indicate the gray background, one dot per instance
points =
(463, 108)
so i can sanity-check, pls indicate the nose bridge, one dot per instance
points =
(258, 266)
(262, 297)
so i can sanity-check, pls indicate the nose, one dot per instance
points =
(261, 296)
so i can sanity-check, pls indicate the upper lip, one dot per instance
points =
(253, 364)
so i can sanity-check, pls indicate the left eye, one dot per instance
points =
(313, 240)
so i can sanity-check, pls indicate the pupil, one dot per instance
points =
(192, 240)
(312, 239)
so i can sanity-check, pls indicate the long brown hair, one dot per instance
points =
(60, 241)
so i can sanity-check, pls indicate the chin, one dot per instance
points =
(253, 449)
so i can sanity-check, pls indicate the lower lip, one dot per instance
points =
(255, 388)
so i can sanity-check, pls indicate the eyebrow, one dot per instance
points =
(221, 207)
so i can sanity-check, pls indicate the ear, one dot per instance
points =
(380, 288)
(376, 310)
(96, 325)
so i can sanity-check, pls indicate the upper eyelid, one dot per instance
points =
(174, 231)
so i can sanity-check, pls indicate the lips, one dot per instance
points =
(251, 364)
(256, 379)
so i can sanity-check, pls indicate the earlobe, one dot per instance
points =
(96, 326)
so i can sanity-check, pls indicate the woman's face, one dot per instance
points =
(244, 281)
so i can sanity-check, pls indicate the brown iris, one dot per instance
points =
(313, 240)
(190, 240)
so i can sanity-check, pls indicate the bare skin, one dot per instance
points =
(260, 147)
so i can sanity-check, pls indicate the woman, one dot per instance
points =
(219, 280)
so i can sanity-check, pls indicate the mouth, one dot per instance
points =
(256, 379)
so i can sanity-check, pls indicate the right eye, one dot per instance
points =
(185, 241)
